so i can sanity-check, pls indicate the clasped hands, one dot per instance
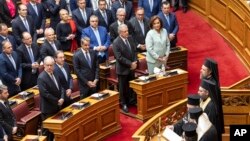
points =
(71, 37)
(92, 84)
(163, 59)
(133, 65)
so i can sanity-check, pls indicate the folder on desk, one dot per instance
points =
(100, 95)
(80, 105)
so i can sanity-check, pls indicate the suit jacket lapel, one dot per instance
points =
(85, 59)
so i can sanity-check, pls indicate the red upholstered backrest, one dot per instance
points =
(142, 65)
(75, 85)
(21, 110)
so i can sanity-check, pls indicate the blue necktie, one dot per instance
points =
(127, 44)
(167, 18)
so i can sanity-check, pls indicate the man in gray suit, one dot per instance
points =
(126, 62)
(140, 27)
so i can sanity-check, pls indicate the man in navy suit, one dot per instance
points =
(100, 40)
(7, 117)
(23, 23)
(50, 45)
(11, 70)
(104, 15)
(126, 62)
(73, 4)
(35, 10)
(141, 27)
(30, 60)
(170, 23)
(151, 7)
(63, 73)
(4, 35)
(86, 66)
(52, 93)
(81, 17)
(127, 5)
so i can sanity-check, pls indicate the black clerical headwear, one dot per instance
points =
(195, 113)
(193, 99)
(189, 129)
(213, 66)
(211, 88)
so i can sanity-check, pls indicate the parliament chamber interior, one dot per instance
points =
(161, 99)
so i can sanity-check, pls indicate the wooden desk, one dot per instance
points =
(154, 96)
(95, 122)
(177, 59)
(33, 137)
(29, 100)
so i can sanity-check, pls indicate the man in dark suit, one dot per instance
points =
(104, 15)
(35, 10)
(3, 135)
(50, 45)
(81, 17)
(11, 70)
(23, 23)
(7, 117)
(62, 71)
(86, 67)
(100, 40)
(30, 60)
(113, 29)
(151, 7)
(54, 7)
(127, 5)
(126, 62)
(170, 23)
(51, 92)
(73, 4)
(141, 27)
(4, 35)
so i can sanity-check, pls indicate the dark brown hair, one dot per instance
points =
(153, 19)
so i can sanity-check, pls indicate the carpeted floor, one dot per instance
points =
(202, 41)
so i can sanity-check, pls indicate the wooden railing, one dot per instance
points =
(231, 18)
(157, 124)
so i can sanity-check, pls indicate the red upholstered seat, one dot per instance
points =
(75, 96)
(112, 78)
(27, 121)
(111, 53)
(142, 68)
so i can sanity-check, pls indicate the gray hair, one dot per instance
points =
(2, 88)
(122, 26)
(48, 59)
(120, 10)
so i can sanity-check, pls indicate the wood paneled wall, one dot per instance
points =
(231, 18)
